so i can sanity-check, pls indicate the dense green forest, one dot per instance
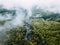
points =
(44, 30)
(43, 33)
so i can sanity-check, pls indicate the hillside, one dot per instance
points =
(43, 33)
(18, 28)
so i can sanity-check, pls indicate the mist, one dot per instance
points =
(9, 20)
(22, 10)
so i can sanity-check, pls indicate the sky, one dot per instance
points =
(51, 5)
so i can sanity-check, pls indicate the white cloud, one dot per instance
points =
(47, 4)
(24, 3)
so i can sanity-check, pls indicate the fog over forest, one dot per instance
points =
(29, 22)
(50, 5)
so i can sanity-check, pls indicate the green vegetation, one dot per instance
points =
(49, 31)
(43, 33)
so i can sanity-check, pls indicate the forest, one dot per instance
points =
(42, 28)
